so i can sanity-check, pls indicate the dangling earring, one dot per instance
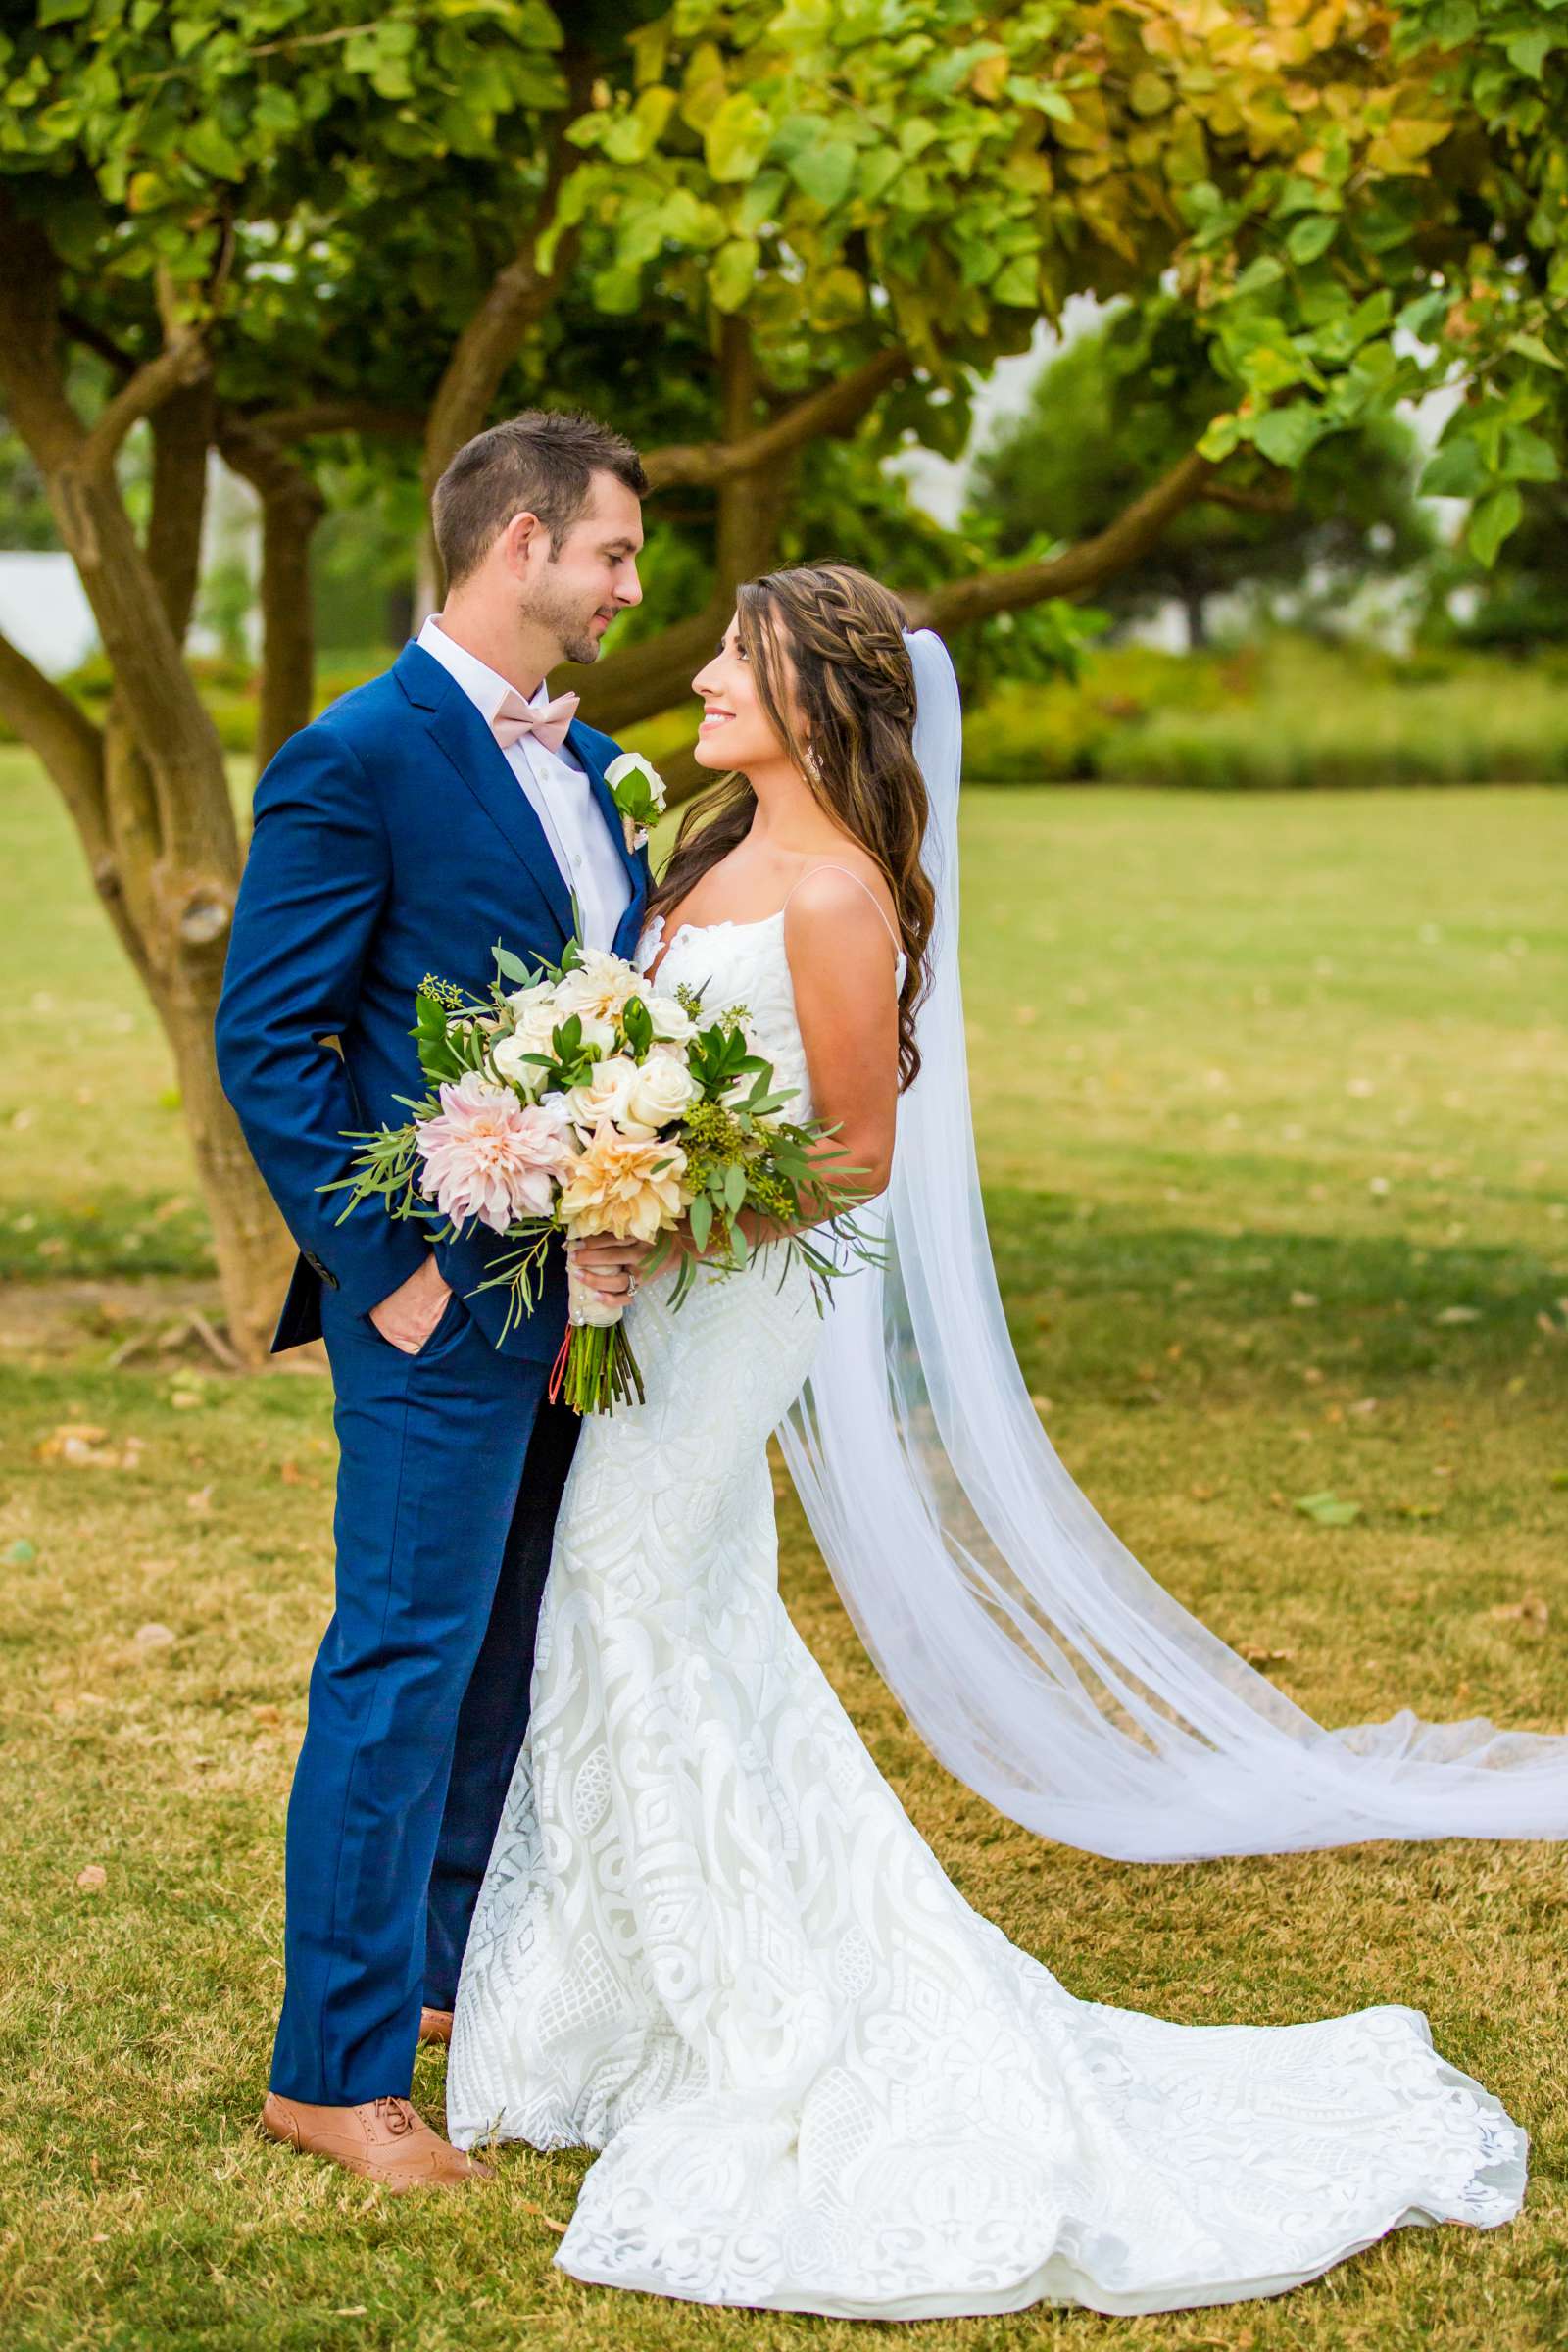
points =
(812, 768)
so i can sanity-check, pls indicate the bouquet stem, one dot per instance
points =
(596, 1369)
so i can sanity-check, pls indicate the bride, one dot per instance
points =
(710, 1942)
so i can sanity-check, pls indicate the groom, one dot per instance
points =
(445, 808)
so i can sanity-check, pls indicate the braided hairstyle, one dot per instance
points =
(842, 635)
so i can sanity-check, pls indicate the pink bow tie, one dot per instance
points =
(546, 722)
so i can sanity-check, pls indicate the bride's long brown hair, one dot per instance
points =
(855, 746)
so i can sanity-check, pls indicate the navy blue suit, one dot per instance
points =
(392, 840)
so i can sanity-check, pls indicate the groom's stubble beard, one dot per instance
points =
(551, 610)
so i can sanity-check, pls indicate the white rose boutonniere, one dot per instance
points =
(638, 792)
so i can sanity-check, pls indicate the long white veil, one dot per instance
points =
(1035, 1657)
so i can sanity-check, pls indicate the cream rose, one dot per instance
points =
(663, 1088)
(534, 1012)
(607, 1095)
(669, 1017)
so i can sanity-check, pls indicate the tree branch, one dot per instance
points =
(93, 338)
(1278, 497)
(651, 676)
(518, 298)
(72, 752)
(337, 417)
(292, 504)
(833, 408)
(34, 389)
(183, 433)
(1077, 569)
(183, 363)
(57, 729)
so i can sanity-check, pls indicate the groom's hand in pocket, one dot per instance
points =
(409, 1315)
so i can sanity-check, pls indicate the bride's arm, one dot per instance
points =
(847, 1002)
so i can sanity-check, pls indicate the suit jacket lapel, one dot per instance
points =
(577, 737)
(634, 861)
(458, 731)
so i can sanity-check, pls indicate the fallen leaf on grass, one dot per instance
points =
(1421, 1510)
(92, 1878)
(1264, 1657)
(549, 2220)
(1327, 1509)
(267, 1716)
(154, 1636)
(1459, 1314)
(84, 1445)
(200, 1502)
(1532, 1611)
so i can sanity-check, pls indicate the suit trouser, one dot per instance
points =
(451, 1467)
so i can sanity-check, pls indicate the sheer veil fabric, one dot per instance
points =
(1035, 1658)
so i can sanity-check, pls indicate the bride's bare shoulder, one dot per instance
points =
(839, 881)
(841, 907)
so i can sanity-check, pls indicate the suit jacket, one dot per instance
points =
(392, 840)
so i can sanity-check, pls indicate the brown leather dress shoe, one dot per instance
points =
(435, 2026)
(384, 2140)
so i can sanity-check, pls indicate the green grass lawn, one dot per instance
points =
(1273, 1100)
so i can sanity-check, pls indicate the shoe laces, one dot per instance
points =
(398, 2116)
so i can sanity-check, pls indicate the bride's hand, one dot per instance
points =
(610, 1268)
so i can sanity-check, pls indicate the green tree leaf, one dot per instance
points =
(824, 172)
(1492, 520)
(733, 272)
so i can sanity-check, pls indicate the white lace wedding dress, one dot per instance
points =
(712, 1945)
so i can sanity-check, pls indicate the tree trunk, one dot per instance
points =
(253, 1251)
(180, 961)
(292, 506)
(1194, 609)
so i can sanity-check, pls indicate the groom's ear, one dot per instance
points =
(523, 536)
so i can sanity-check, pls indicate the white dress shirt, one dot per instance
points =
(558, 789)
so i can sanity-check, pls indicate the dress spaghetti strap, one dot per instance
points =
(828, 867)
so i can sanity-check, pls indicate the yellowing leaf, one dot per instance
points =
(1327, 1509)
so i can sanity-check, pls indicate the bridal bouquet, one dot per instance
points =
(581, 1099)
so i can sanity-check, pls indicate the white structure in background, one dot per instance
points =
(43, 610)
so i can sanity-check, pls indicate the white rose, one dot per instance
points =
(607, 1095)
(510, 1057)
(664, 1089)
(669, 1017)
(536, 1017)
(632, 764)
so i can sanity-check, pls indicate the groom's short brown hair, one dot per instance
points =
(541, 462)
